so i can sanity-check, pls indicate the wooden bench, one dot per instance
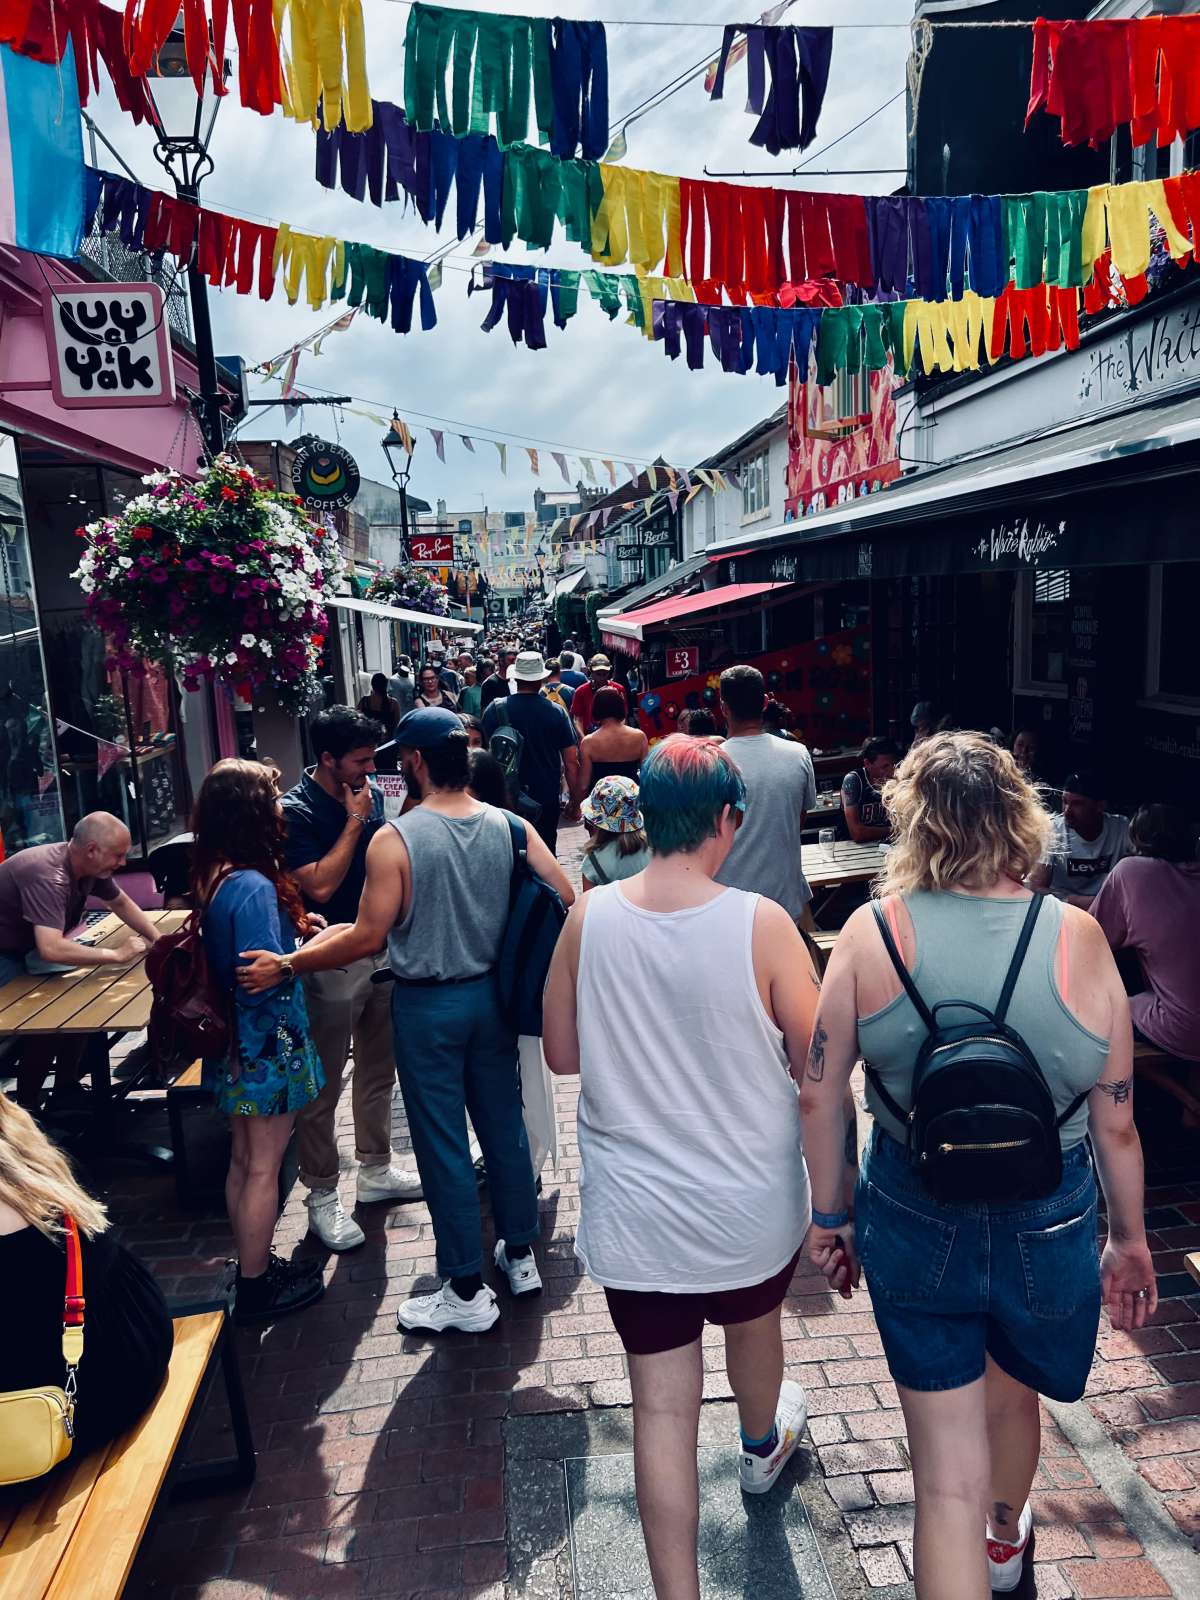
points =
(74, 1535)
(1179, 1079)
(1192, 1263)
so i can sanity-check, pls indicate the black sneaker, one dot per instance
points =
(281, 1289)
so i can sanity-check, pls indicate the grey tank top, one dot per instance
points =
(964, 944)
(461, 869)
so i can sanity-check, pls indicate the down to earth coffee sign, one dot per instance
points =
(324, 475)
(109, 345)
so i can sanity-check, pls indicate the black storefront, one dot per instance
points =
(1068, 600)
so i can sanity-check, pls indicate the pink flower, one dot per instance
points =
(158, 575)
(217, 584)
(193, 565)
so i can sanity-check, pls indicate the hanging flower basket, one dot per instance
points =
(413, 589)
(225, 577)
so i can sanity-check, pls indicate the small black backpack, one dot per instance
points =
(982, 1128)
(535, 918)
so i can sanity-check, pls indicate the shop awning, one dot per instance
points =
(1115, 491)
(568, 583)
(632, 624)
(422, 619)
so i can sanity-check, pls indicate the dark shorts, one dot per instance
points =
(953, 1284)
(649, 1323)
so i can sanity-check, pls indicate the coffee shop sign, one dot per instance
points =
(1028, 544)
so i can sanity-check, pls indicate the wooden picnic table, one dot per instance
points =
(93, 1001)
(850, 863)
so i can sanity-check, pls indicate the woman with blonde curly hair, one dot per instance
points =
(127, 1327)
(981, 1305)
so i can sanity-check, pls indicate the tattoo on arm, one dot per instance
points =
(816, 1053)
(1118, 1092)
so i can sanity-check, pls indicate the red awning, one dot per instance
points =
(631, 624)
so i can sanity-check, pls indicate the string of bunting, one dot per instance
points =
(797, 61)
(250, 257)
(738, 242)
(1098, 76)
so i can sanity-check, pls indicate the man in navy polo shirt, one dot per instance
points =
(332, 815)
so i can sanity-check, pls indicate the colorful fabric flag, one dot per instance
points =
(439, 442)
(468, 442)
(631, 470)
(561, 462)
(435, 275)
(652, 477)
(533, 461)
(589, 470)
(610, 468)
(404, 433)
(502, 452)
(41, 154)
(107, 756)
(289, 376)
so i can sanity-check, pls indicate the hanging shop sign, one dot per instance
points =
(431, 549)
(657, 537)
(682, 661)
(109, 346)
(629, 552)
(324, 475)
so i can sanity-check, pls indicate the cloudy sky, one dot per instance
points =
(599, 389)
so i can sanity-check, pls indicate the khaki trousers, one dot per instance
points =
(345, 1007)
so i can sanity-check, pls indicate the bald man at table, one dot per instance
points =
(43, 892)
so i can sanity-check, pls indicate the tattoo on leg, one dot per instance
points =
(1118, 1092)
(1001, 1514)
(816, 1053)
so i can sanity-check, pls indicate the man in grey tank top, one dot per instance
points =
(437, 894)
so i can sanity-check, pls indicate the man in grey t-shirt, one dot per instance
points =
(780, 789)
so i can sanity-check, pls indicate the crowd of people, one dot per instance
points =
(716, 1119)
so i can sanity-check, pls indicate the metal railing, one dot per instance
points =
(136, 266)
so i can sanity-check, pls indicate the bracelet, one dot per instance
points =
(830, 1219)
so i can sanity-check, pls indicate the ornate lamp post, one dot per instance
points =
(398, 448)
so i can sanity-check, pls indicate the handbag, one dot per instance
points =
(37, 1426)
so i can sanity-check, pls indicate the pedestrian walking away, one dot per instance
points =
(694, 1197)
(998, 1035)
(781, 788)
(271, 1070)
(437, 889)
(332, 815)
(614, 750)
(548, 756)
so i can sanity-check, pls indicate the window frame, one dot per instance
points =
(1154, 699)
(1024, 683)
(755, 473)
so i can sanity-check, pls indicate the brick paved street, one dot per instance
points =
(382, 1455)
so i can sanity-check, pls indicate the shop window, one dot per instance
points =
(30, 800)
(756, 484)
(1172, 674)
(1043, 632)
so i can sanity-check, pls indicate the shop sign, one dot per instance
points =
(109, 346)
(1027, 540)
(394, 791)
(431, 549)
(682, 661)
(324, 475)
(657, 536)
(629, 552)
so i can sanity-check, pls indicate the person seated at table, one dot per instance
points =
(272, 1069)
(864, 815)
(1150, 904)
(614, 750)
(43, 892)
(1086, 843)
(127, 1334)
(777, 719)
(1026, 744)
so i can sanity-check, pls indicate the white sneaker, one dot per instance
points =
(434, 1313)
(1005, 1561)
(387, 1183)
(758, 1473)
(328, 1220)
(522, 1274)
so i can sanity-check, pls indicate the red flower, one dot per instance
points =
(142, 531)
(228, 493)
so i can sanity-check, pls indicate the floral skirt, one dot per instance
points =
(276, 1068)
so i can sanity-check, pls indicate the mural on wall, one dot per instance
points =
(824, 471)
(825, 683)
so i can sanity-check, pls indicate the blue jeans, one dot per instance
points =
(454, 1054)
(952, 1284)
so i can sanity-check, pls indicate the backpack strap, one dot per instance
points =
(599, 870)
(902, 972)
(1014, 966)
(520, 850)
(901, 1116)
(1071, 1109)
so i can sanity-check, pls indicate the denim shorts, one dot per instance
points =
(951, 1284)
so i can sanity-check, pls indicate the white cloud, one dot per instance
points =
(598, 387)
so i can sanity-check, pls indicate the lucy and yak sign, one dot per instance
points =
(109, 345)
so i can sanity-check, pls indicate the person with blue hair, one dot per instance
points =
(687, 1011)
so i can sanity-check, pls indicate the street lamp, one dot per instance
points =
(183, 124)
(398, 448)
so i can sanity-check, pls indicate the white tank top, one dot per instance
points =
(692, 1175)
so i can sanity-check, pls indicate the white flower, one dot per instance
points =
(231, 658)
(248, 641)
(125, 561)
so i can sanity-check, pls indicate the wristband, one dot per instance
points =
(830, 1219)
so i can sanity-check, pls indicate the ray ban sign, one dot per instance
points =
(1027, 541)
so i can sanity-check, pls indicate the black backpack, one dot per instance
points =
(535, 918)
(982, 1128)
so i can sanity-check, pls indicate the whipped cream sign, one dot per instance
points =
(1028, 543)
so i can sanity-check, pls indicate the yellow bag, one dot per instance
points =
(37, 1426)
